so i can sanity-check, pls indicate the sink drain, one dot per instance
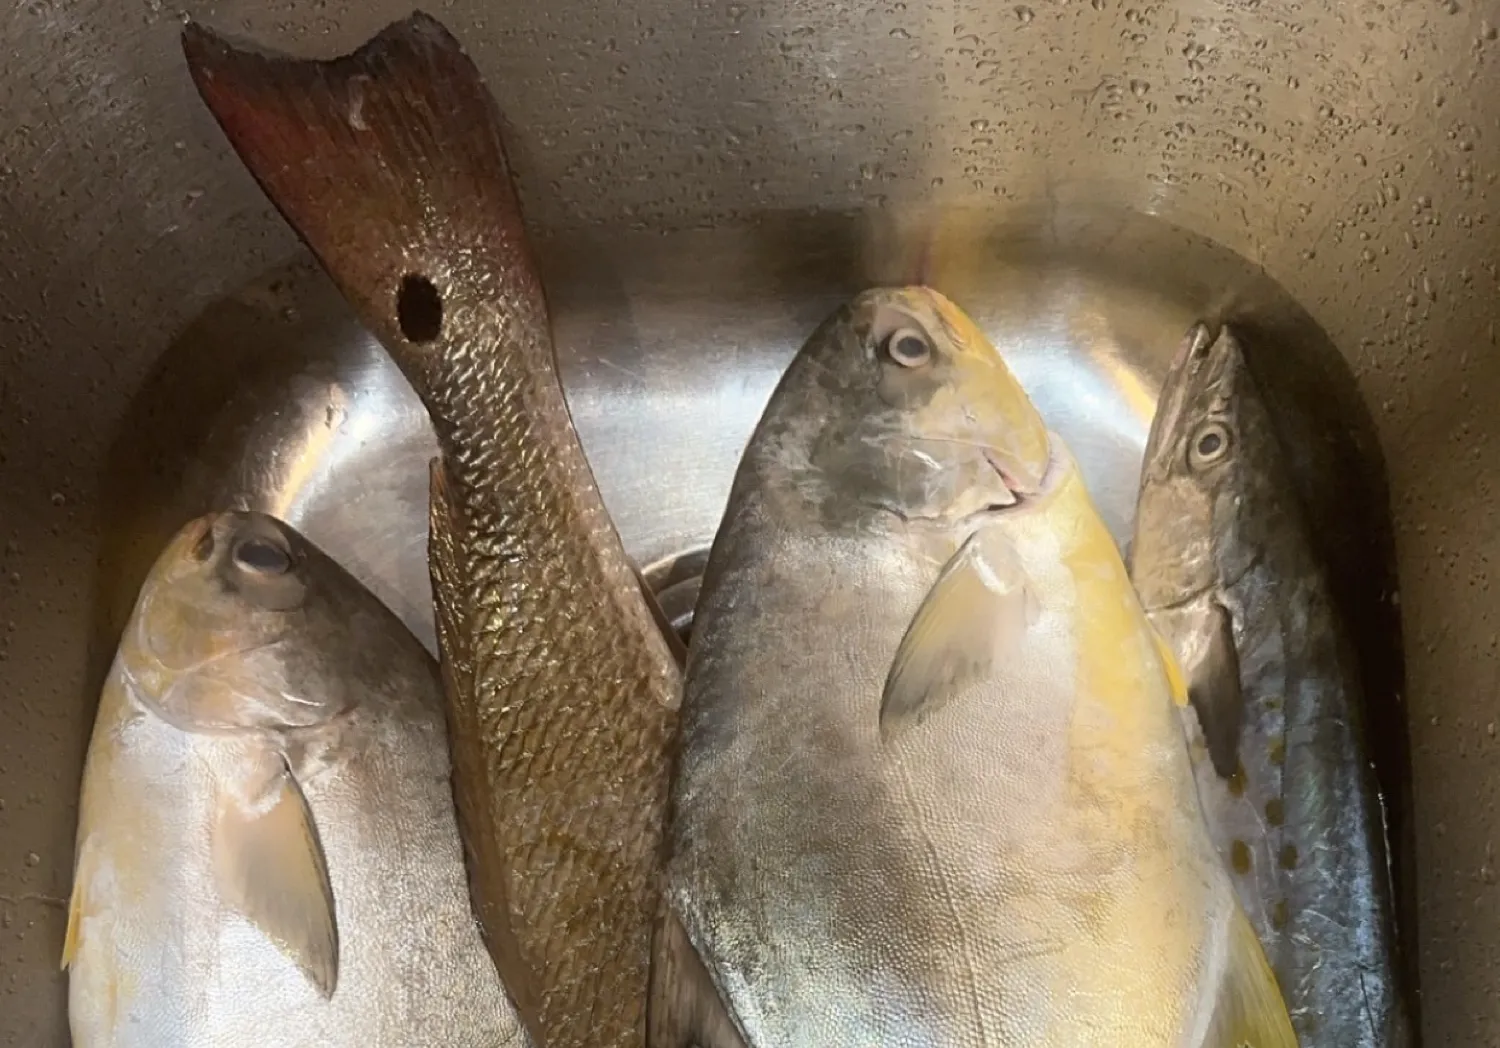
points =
(675, 581)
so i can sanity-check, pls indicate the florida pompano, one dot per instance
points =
(933, 790)
(1225, 566)
(562, 690)
(267, 847)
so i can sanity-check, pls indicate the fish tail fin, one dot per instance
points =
(1250, 1012)
(684, 1009)
(369, 150)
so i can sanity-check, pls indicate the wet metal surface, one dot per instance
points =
(1348, 151)
(275, 400)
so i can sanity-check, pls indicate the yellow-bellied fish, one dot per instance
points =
(1225, 566)
(933, 789)
(267, 848)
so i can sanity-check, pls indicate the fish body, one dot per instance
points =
(933, 789)
(267, 847)
(1223, 562)
(562, 691)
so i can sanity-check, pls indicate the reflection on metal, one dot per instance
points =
(781, 155)
(274, 399)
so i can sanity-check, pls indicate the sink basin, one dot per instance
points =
(704, 184)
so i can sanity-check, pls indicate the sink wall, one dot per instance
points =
(705, 181)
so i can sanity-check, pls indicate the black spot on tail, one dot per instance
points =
(419, 309)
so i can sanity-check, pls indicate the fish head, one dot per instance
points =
(921, 415)
(229, 631)
(1198, 470)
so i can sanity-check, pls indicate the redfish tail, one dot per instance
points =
(388, 162)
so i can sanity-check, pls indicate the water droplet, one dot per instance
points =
(900, 34)
(980, 125)
(1025, 14)
(33, 859)
(1139, 88)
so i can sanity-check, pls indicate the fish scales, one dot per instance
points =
(389, 163)
(933, 788)
(1277, 726)
(267, 847)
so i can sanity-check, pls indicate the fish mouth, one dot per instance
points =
(1011, 492)
(1016, 491)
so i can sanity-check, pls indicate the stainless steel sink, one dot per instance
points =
(705, 183)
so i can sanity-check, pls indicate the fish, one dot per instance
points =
(562, 691)
(932, 789)
(1225, 567)
(267, 848)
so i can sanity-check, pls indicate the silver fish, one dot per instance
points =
(267, 848)
(1222, 560)
(933, 789)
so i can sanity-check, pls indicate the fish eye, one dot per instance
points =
(260, 556)
(908, 347)
(1210, 443)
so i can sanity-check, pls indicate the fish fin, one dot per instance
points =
(1214, 690)
(1175, 680)
(270, 868)
(76, 904)
(365, 149)
(1250, 1012)
(684, 1008)
(670, 635)
(980, 605)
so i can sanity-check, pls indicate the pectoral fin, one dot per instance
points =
(684, 1009)
(978, 609)
(1212, 665)
(1250, 1012)
(269, 867)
